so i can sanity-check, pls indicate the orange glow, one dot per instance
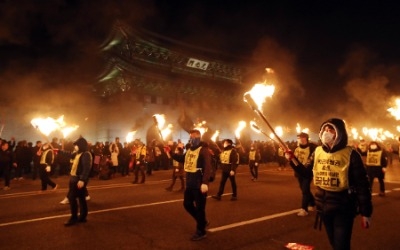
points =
(241, 126)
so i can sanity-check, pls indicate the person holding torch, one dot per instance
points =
(197, 165)
(343, 188)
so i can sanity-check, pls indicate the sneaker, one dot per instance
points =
(87, 198)
(311, 208)
(6, 188)
(302, 213)
(217, 197)
(198, 236)
(55, 187)
(65, 201)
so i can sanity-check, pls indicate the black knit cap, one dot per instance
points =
(82, 144)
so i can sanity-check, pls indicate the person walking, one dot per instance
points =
(46, 163)
(254, 161)
(197, 166)
(376, 163)
(303, 151)
(79, 178)
(229, 160)
(140, 165)
(343, 189)
(177, 171)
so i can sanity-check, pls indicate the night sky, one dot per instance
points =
(332, 58)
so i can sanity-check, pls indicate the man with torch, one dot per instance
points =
(197, 165)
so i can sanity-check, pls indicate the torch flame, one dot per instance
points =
(259, 92)
(68, 130)
(160, 120)
(215, 135)
(241, 126)
(48, 125)
(129, 137)
(395, 111)
(166, 131)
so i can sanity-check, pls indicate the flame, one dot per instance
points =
(241, 126)
(259, 92)
(298, 128)
(166, 131)
(215, 135)
(129, 137)
(201, 126)
(395, 111)
(354, 132)
(68, 130)
(48, 125)
(160, 120)
(279, 130)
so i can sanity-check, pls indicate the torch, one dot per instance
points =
(257, 129)
(250, 101)
(156, 119)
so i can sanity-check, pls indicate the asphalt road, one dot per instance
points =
(123, 215)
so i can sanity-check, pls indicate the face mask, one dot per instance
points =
(251, 148)
(195, 141)
(45, 147)
(226, 145)
(76, 148)
(327, 137)
(373, 147)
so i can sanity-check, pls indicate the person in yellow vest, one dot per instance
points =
(197, 165)
(376, 163)
(343, 188)
(177, 170)
(46, 161)
(254, 161)
(79, 178)
(140, 165)
(229, 161)
(303, 151)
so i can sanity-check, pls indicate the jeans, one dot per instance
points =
(339, 228)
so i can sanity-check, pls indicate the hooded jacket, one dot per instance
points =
(353, 200)
(85, 161)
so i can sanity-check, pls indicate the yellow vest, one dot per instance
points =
(302, 154)
(141, 151)
(252, 155)
(374, 158)
(191, 158)
(44, 155)
(225, 156)
(75, 163)
(331, 169)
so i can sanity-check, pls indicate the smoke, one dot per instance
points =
(370, 87)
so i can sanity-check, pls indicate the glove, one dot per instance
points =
(48, 169)
(80, 184)
(177, 170)
(256, 164)
(289, 155)
(384, 170)
(138, 162)
(365, 222)
(204, 188)
(232, 173)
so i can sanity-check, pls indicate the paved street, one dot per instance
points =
(145, 216)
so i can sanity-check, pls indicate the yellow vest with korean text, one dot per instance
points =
(331, 169)
(191, 158)
(225, 156)
(302, 154)
(374, 158)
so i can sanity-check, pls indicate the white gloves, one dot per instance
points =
(80, 184)
(48, 169)
(177, 170)
(365, 222)
(232, 173)
(256, 164)
(204, 188)
(138, 162)
(289, 155)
